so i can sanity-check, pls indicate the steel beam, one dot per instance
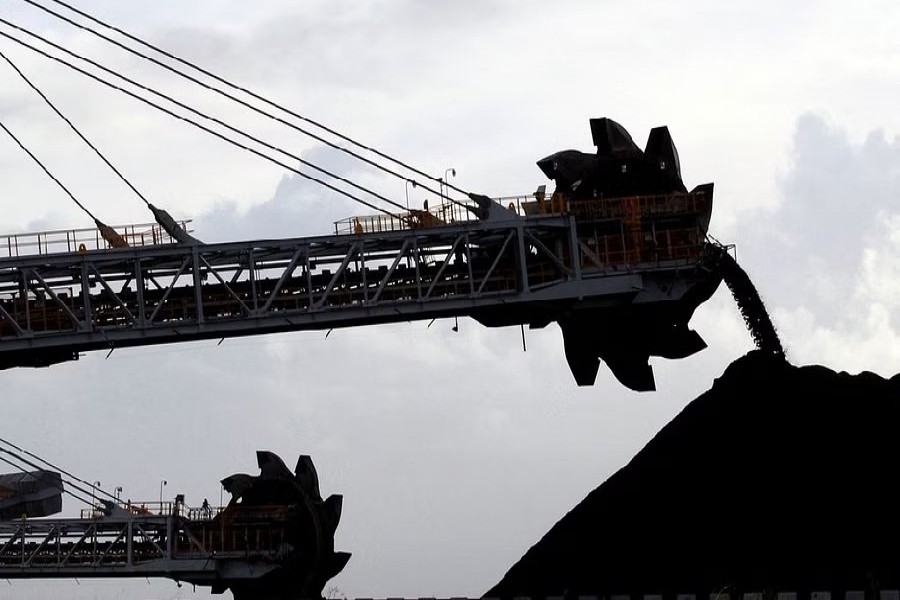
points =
(532, 267)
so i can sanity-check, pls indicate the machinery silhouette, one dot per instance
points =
(274, 540)
(618, 255)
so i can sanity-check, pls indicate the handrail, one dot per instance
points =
(155, 508)
(446, 213)
(526, 205)
(83, 240)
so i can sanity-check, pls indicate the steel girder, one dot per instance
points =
(136, 546)
(528, 271)
(61, 304)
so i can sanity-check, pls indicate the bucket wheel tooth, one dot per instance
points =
(310, 525)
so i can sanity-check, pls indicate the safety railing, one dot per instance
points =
(634, 206)
(610, 208)
(83, 240)
(165, 509)
(445, 214)
(537, 203)
(257, 539)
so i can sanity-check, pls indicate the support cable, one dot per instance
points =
(52, 466)
(73, 128)
(246, 91)
(190, 109)
(106, 232)
(195, 124)
(47, 171)
(60, 487)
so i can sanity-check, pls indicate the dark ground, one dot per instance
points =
(777, 478)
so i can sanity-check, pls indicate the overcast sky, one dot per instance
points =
(454, 451)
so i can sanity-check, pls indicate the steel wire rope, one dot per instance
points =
(47, 171)
(108, 233)
(54, 467)
(249, 92)
(73, 127)
(194, 123)
(244, 103)
(199, 113)
(60, 487)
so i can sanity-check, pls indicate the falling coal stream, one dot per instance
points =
(749, 302)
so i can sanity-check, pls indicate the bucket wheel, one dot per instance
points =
(291, 505)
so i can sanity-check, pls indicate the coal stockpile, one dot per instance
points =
(778, 478)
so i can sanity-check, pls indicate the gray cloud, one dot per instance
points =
(837, 192)
(380, 44)
(299, 207)
(837, 198)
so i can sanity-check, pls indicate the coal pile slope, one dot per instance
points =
(777, 478)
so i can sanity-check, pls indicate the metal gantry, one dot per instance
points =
(509, 270)
(142, 543)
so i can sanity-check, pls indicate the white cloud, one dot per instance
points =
(830, 248)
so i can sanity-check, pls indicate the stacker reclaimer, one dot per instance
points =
(618, 255)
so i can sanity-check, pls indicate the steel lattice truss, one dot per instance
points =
(616, 285)
(55, 305)
(164, 545)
